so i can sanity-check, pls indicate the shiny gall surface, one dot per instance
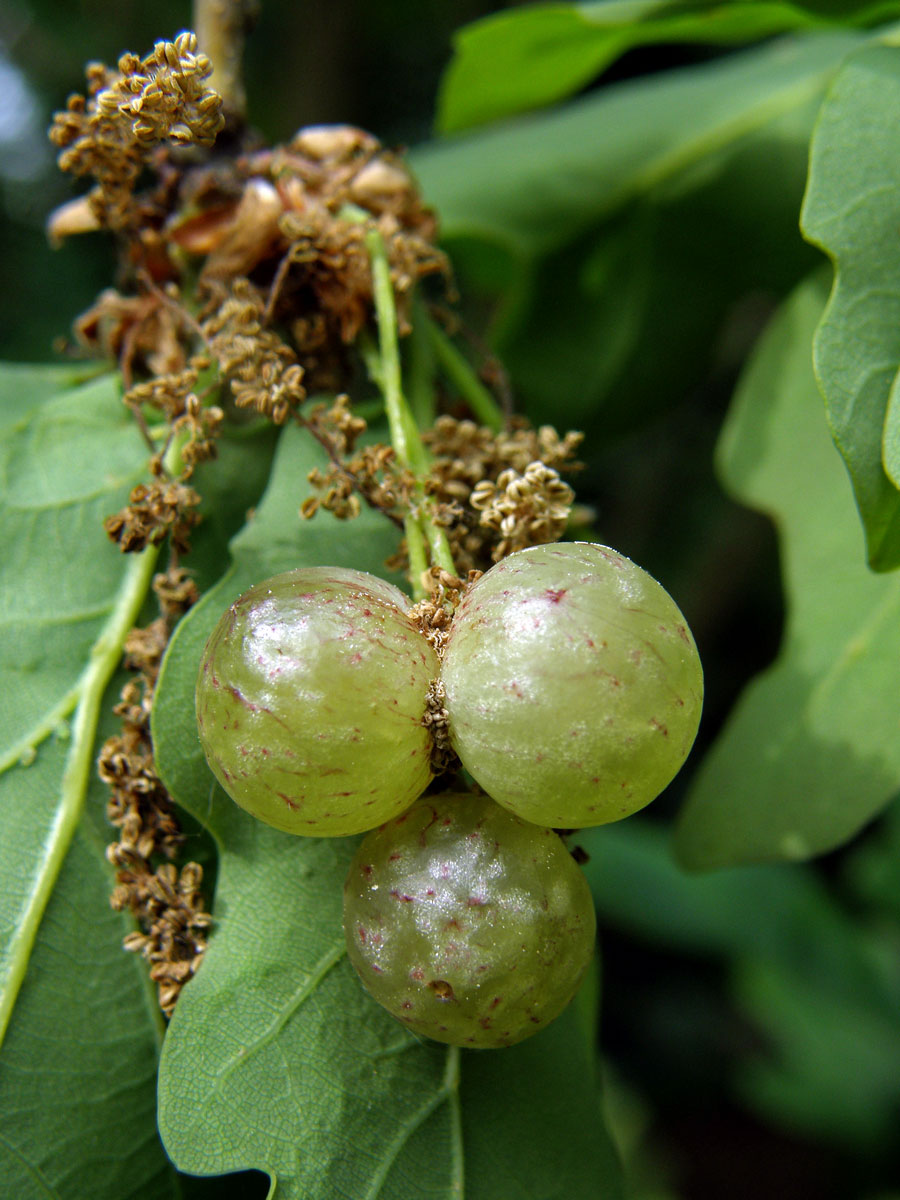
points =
(471, 926)
(310, 699)
(573, 685)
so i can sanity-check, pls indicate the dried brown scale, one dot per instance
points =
(286, 221)
(164, 900)
(134, 330)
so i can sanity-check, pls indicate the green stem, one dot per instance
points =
(87, 695)
(405, 436)
(457, 1146)
(439, 547)
(460, 372)
(418, 559)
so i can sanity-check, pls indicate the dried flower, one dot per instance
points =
(466, 457)
(526, 510)
(437, 720)
(262, 367)
(154, 510)
(166, 902)
(163, 97)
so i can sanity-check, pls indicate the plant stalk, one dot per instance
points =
(405, 436)
(220, 26)
(459, 371)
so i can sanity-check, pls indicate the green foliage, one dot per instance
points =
(69, 1126)
(532, 186)
(818, 986)
(594, 222)
(66, 604)
(78, 1065)
(853, 169)
(810, 753)
(516, 61)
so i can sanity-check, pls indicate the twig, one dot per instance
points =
(220, 26)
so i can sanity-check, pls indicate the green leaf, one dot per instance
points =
(276, 1058)
(810, 753)
(230, 485)
(581, 358)
(23, 386)
(601, 288)
(511, 62)
(537, 184)
(763, 911)
(67, 598)
(850, 213)
(873, 870)
(78, 1065)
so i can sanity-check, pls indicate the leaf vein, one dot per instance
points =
(447, 1091)
(303, 992)
(34, 1171)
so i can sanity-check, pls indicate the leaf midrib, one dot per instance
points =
(103, 660)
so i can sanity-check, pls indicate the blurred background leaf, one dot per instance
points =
(613, 243)
(513, 62)
(810, 752)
